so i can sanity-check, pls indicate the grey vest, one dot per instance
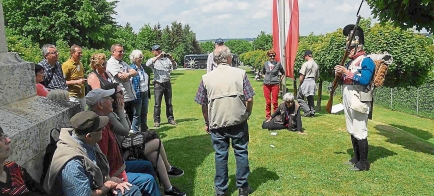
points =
(226, 101)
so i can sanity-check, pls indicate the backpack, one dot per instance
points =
(382, 62)
(48, 156)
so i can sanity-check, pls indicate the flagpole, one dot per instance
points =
(283, 35)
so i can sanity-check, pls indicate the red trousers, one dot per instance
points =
(273, 91)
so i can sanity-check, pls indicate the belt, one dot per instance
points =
(161, 82)
(310, 77)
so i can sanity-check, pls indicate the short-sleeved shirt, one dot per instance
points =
(310, 69)
(162, 69)
(57, 79)
(114, 67)
(74, 71)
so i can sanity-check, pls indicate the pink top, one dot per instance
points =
(41, 90)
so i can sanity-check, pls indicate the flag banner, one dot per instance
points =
(286, 32)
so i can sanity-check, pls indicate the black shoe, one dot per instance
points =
(244, 191)
(308, 115)
(174, 192)
(175, 172)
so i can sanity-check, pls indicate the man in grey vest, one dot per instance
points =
(309, 73)
(226, 97)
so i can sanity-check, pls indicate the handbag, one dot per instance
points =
(135, 143)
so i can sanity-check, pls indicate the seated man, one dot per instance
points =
(287, 116)
(137, 172)
(78, 166)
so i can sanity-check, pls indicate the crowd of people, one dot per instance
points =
(90, 160)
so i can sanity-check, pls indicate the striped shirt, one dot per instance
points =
(162, 69)
(57, 81)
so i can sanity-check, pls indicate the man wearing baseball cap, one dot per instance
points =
(162, 65)
(135, 172)
(309, 73)
(78, 166)
(210, 64)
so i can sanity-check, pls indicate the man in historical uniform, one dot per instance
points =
(357, 96)
(309, 73)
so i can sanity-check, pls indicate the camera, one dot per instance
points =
(165, 55)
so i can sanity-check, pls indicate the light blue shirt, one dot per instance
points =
(75, 180)
(162, 69)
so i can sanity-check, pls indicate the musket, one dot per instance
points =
(334, 85)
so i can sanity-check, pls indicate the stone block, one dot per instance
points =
(17, 79)
(28, 123)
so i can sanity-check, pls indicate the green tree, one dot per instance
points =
(263, 42)
(145, 37)
(404, 13)
(207, 47)
(239, 46)
(83, 22)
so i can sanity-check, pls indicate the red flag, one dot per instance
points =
(292, 40)
(286, 32)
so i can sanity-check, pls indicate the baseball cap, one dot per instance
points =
(95, 95)
(155, 47)
(307, 52)
(88, 122)
(219, 41)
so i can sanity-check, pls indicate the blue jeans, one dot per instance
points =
(141, 174)
(134, 191)
(239, 134)
(140, 114)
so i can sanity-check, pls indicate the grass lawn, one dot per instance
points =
(401, 149)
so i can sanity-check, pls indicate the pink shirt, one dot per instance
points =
(41, 90)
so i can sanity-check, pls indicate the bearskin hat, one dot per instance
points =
(359, 38)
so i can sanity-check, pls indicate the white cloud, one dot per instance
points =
(223, 16)
(210, 19)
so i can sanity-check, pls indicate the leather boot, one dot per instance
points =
(356, 156)
(363, 164)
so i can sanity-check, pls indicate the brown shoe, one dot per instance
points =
(156, 124)
(172, 122)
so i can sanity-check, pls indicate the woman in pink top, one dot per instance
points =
(40, 88)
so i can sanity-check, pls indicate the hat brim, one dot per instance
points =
(103, 121)
(108, 93)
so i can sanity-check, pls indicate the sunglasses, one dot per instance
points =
(104, 64)
(272, 56)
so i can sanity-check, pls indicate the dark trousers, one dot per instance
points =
(271, 125)
(129, 110)
(161, 89)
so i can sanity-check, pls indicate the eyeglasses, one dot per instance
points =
(120, 51)
(120, 92)
(104, 64)
(158, 49)
(272, 56)
(140, 57)
(289, 102)
(55, 53)
(3, 137)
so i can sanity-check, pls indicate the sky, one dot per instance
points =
(211, 19)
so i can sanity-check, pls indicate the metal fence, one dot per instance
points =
(418, 101)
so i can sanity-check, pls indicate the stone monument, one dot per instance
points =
(26, 117)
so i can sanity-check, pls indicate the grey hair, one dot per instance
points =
(288, 97)
(135, 54)
(58, 95)
(45, 49)
(222, 54)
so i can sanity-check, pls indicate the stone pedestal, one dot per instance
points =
(25, 117)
